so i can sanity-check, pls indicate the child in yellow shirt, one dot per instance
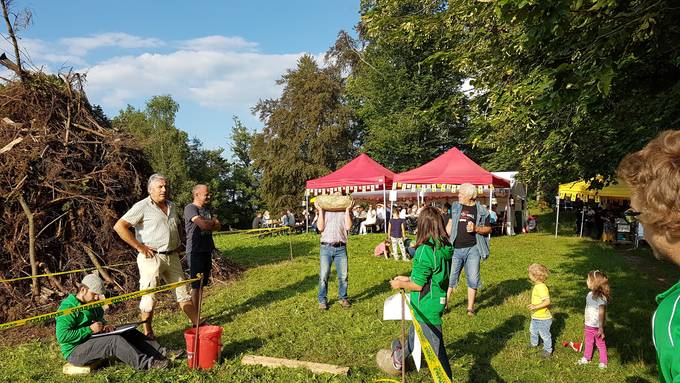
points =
(541, 318)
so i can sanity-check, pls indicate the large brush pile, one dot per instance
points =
(62, 163)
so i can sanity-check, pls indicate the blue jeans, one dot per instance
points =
(541, 327)
(330, 254)
(466, 258)
(435, 338)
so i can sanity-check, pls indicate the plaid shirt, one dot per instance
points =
(152, 226)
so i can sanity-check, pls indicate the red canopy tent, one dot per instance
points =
(449, 169)
(360, 174)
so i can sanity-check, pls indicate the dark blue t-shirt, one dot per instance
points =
(395, 230)
(198, 241)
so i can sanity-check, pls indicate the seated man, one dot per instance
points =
(79, 348)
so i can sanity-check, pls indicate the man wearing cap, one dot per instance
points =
(74, 333)
(157, 242)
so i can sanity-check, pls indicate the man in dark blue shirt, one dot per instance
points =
(199, 225)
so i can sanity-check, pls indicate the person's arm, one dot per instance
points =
(403, 282)
(602, 316)
(348, 218)
(206, 224)
(320, 221)
(544, 303)
(122, 228)
(68, 331)
(403, 230)
(483, 230)
(389, 228)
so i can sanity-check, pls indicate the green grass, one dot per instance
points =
(272, 311)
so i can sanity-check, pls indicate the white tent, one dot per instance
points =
(515, 205)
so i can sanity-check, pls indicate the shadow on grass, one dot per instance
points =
(557, 327)
(266, 298)
(233, 349)
(629, 313)
(266, 251)
(377, 289)
(497, 293)
(484, 346)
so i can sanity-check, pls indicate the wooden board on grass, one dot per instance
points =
(279, 362)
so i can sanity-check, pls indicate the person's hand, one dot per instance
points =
(471, 227)
(600, 333)
(109, 328)
(402, 278)
(531, 307)
(96, 327)
(148, 252)
(395, 284)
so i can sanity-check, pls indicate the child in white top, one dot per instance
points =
(595, 315)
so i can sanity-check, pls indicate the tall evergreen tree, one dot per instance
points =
(308, 131)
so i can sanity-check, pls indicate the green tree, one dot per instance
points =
(244, 176)
(308, 131)
(563, 89)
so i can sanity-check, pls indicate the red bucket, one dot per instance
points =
(209, 345)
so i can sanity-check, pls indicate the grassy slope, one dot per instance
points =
(272, 311)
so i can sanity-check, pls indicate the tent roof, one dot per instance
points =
(362, 170)
(451, 168)
(580, 189)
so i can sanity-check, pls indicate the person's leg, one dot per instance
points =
(341, 267)
(171, 272)
(395, 254)
(601, 349)
(400, 242)
(589, 339)
(398, 350)
(362, 228)
(546, 337)
(434, 336)
(325, 256)
(533, 333)
(108, 346)
(472, 275)
(144, 344)
(148, 278)
(457, 263)
(200, 263)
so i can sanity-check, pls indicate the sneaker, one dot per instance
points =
(159, 364)
(344, 303)
(601, 366)
(323, 306)
(546, 355)
(174, 354)
(582, 361)
(532, 347)
(384, 360)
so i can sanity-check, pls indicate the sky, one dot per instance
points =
(215, 58)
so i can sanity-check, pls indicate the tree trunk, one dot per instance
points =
(12, 36)
(31, 242)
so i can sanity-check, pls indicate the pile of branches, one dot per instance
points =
(66, 176)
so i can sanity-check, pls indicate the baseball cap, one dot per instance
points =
(94, 283)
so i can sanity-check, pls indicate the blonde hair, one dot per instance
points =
(653, 175)
(538, 272)
(599, 284)
(468, 189)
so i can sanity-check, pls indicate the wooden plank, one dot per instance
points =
(292, 363)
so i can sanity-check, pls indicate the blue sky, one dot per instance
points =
(216, 58)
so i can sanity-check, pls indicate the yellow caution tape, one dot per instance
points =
(63, 272)
(277, 230)
(433, 363)
(386, 380)
(249, 230)
(112, 300)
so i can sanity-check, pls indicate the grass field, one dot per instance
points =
(272, 311)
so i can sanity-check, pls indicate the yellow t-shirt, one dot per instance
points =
(538, 295)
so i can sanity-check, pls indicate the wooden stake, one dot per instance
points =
(198, 320)
(292, 363)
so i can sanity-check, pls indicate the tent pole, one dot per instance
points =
(306, 213)
(557, 217)
(583, 211)
(385, 208)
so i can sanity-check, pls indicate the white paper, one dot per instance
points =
(392, 308)
(417, 352)
(120, 329)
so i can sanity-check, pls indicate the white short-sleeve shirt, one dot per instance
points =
(152, 226)
(592, 314)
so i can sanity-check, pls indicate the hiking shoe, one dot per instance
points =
(546, 355)
(582, 361)
(384, 360)
(323, 306)
(601, 366)
(159, 364)
(174, 354)
(344, 303)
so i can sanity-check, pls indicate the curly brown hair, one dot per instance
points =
(599, 284)
(538, 272)
(653, 175)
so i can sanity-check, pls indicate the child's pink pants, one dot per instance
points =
(590, 338)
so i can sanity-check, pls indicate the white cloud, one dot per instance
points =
(218, 43)
(219, 80)
(79, 46)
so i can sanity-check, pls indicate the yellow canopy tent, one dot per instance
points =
(579, 189)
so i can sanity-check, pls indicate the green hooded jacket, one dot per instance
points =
(431, 269)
